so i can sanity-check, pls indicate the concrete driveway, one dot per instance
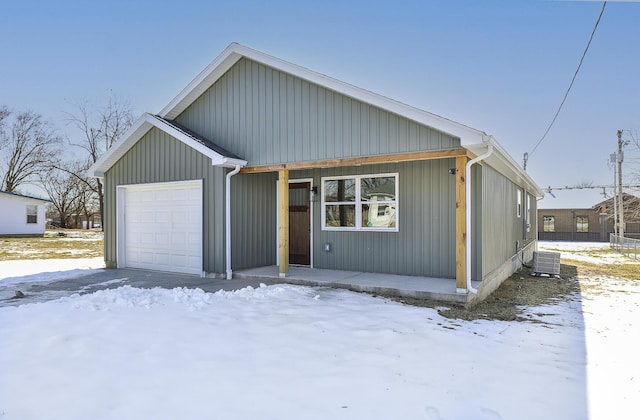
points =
(34, 292)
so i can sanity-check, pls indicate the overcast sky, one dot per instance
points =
(499, 66)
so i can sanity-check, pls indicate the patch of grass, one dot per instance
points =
(519, 291)
(628, 270)
(515, 293)
(56, 244)
(522, 290)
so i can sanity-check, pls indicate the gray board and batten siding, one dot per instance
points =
(501, 226)
(423, 246)
(266, 117)
(158, 157)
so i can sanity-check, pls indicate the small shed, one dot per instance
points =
(22, 215)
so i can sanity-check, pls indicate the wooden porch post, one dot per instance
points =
(283, 217)
(461, 225)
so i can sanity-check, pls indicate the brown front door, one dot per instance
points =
(299, 223)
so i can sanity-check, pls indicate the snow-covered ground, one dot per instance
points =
(23, 271)
(291, 352)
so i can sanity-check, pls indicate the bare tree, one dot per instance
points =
(99, 130)
(28, 146)
(64, 190)
(583, 184)
(4, 113)
(87, 201)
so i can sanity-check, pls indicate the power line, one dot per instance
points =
(527, 155)
(549, 190)
(587, 187)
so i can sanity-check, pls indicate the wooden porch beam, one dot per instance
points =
(283, 219)
(358, 161)
(461, 224)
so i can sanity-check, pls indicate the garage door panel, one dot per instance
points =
(193, 239)
(163, 227)
(145, 257)
(146, 238)
(162, 216)
(179, 239)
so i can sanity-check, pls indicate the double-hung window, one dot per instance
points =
(32, 214)
(549, 223)
(360, 202)
(582, 224)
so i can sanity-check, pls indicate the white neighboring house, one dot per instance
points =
(21, 215)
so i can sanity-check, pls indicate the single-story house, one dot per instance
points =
(262, 162)
(22, 215)
(593, 224)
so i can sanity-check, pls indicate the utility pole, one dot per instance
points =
(620, 200)
(613, 159)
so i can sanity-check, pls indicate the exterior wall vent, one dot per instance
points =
(546, 263)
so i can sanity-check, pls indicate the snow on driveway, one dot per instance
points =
(291, 352)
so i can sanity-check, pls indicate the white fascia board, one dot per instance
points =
(216, 158)
(139, 129)
(203, 81)
(24, 198)
(470, 138)
(234, 52)
(501, 161)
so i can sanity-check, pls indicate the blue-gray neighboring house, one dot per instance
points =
(261, 162)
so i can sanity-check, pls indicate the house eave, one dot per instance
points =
(15, 196)
(234, 52)
(142, 126)
(501, 161)
(470, 138)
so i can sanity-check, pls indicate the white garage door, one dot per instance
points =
(163, 226)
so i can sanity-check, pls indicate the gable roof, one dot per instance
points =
(218, 155)
(198, 138)
(471, 139)
(626, 198)
(25, 197)
(476, 141)
(234, 52)
(631, 204)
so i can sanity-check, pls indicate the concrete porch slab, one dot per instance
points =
(382, 284)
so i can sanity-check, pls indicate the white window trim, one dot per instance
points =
(358, 204)
(36, 214)
(519, 204)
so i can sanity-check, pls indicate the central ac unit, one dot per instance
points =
(546, 263)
